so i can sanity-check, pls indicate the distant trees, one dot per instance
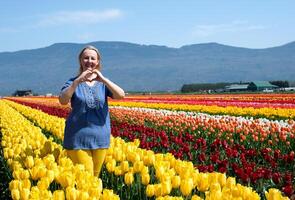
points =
(280, 84)
(198, 87)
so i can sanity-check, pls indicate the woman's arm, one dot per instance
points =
(118, 93)
(66, 95)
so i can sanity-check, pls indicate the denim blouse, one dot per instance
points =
(88, 124)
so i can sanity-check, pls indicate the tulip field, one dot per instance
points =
(229, 146)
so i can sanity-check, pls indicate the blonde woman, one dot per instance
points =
(87, 130)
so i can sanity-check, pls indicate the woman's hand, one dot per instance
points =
(118, 93)
(86, 76)
(99, 76)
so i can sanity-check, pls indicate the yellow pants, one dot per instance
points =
(91, 159)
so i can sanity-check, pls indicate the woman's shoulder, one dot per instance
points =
(72, 79)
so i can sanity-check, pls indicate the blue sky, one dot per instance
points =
(245, 23)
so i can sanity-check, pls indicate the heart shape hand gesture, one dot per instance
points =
(92, 77)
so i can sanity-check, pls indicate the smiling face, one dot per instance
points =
(89, 60)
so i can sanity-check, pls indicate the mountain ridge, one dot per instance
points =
(140, 67)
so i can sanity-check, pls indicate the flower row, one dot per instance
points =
(40, 167)
(126, 130)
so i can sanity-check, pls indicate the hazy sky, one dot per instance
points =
(29, 24)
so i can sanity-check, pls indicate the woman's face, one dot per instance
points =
(89, 60)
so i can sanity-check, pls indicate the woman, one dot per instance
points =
(87, 130)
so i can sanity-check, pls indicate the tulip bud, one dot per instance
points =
(111, 166)
(13, 185)
(196, 197)
(128, 178)
(150, 190)
(58, 195)
(203, 184)
(83, 195)
(124, 166)
(145, 179)
(26, 183)
(158, 190)
(15, 195)
(137, 167)
(186, 186)
(71, 193)
(166, 187)
(29, 162)
(175, 181)
(24, 174)
(25, 194)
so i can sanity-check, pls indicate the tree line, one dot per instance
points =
(199, 87)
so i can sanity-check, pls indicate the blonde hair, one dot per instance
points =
(98, 57)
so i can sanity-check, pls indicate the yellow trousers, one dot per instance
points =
(91, 159)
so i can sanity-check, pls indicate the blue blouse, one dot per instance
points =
(88, 124)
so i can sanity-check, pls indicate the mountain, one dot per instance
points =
(138, 67)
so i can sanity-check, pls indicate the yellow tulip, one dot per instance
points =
(203, 184)
(41, 171)
(111, 165)
(15, 194)
(50, 175)
(118, 171)
(175, 181)
(166, 187)
(236, 192)
(222, 179)
(16, 174)
(45, 194)
(150, 190)
(136, 142)
(145, 178)
(160, 171)
(58, 195)
(26, 183)
(83, 195)
(128, 178)
(124, 166)
(13, 184)
(16, 166)
(24, 194)
(215, 192)
(71, 193)
(186, 186)
(158, 190)
(133, 157)
(149, 159)
(118, 154)
(43, 183)
(35, 193)
(10, 153)
(48, 160)
(274, 194)
(230, 182)
(144, 170)
(24, 174)
(94, 192)
(29, 162)
(215, 187)
(196, 197)
(137, 167)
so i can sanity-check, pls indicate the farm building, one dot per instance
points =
(261, 85)
(23, 93)
(237, 87)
